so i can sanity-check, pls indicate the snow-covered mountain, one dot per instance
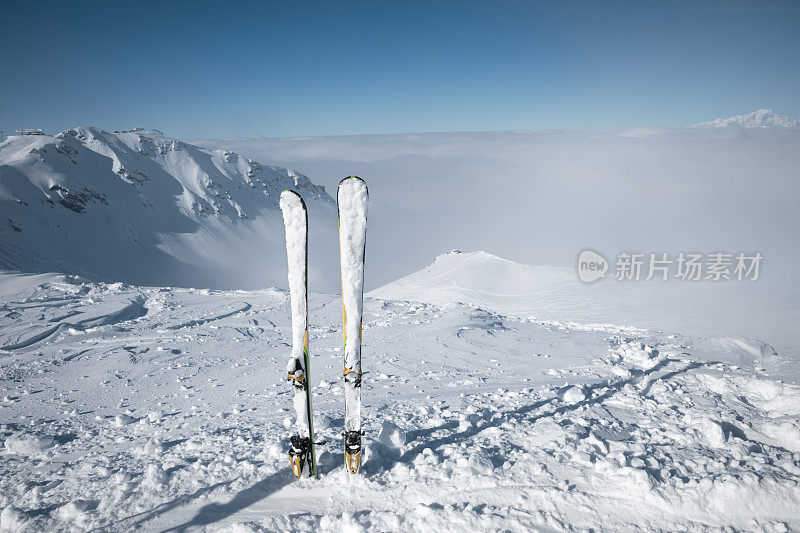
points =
(483, 280)
(762, 118)
(707, 309)
(140, 207)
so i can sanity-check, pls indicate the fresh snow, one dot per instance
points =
(172, 418)
(295, 220)
(352, 199)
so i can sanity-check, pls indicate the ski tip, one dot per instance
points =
(289, 195)
(354, 179)
(352, 185)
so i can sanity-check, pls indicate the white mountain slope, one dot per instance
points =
(761, 118)
(140, 207)
(707, 309)
(132, 408)
(483, 280)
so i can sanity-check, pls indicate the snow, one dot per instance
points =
(12, 520)
(391, 435)
(554, 294)
(474, 419)
(27, 444)
(140, 207)
(352, 199)
(521, 195)
(761, 118)
(572, 394)
(496, 395)
(541, 197)
(295, 220)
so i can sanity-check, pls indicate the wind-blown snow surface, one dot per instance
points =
(140, 207)
(158, 409)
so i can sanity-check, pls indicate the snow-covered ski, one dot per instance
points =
(295, 218)
(352, 198)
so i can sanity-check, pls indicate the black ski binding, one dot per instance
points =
(297, 376)
(299, 454)
(352, 450)
(351, 376)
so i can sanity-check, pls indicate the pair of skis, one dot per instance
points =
(352, 198)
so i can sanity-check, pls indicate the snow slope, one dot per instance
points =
(165, 409)
(137, 206)
(484, 280)
(706, 309)
(761, 118)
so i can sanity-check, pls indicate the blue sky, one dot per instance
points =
(204, 69)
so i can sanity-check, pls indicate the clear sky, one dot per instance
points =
(205, 69)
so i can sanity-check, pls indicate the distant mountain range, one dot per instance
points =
(762, 118)
(140, 207)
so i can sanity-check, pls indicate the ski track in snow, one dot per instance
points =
(156, 409)
(200, 321)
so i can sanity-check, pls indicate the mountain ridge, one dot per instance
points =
(141, 207)
(761, 118)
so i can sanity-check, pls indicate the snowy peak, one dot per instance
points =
(203, 174)
(93, 163)
(469, 257)
(136, 205)
(477, 279)
(762, 118)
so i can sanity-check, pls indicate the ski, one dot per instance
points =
(352, 198)
(295, 218)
